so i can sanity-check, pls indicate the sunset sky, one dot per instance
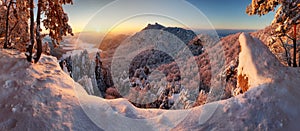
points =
(133, 15)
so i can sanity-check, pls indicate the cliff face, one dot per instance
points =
(86, 68)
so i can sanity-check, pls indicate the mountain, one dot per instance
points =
(155, 58)
(111, 42)
(185, 35)
(41, 96)
(154, 26)
(218, 59)
(141, 52)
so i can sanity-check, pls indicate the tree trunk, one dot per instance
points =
(295, 54)
(295, 48)
(7, 26)
(295, 33)
(38, 34)
(287, 54)
(30, 46)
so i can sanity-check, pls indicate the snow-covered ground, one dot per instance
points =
(38, 96)
(42, 97)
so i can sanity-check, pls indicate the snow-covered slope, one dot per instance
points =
(272, 102)
(40, 96)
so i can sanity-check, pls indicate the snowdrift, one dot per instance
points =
(38, 96)
(41, 96)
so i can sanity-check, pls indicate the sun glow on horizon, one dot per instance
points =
(106, 15)
(130, 25)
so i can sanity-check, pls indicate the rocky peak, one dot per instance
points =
(185, 35)
(154, 26)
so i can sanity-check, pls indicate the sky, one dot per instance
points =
(133, 15)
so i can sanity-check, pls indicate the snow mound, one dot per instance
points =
(38, 96)
(41, 96)
(253, 61)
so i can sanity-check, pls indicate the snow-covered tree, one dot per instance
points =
(56, 21)
(14, 23)
(14, 26)
(287, 18)
(8, 7)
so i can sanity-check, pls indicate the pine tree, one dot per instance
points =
(287, 18)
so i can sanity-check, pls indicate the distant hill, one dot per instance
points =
(111, 42)
(226, 32)
(185, 35)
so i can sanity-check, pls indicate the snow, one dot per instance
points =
(254, 65)
(38, 96)
(86, 82)
(48, 99)
(82, 64)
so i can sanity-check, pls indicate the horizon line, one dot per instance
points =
(97, 32)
